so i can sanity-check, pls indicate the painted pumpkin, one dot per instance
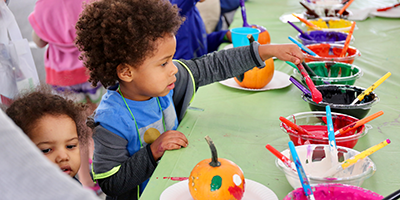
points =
(257, 78)
(216, 178)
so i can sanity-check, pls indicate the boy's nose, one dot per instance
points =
(174, 70)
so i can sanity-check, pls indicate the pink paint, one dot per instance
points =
(335, 191)
(236, 192)
(176, 178)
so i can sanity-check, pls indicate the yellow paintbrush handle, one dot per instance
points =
(373, 86)
(364, 154)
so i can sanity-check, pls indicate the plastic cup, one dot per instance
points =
(316, 161)
(315, 123)
(329, 72)
(339, 98)
(239, 36)
(335, 191)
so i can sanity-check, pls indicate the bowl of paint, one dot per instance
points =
(318, 36)
(331, 52)
(339, 98)
(315, 123)
(329, 72)
(335, 191)
(327, 8)
(316, 160)
(328, 13)
(331, 24)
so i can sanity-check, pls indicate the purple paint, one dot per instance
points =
(323, 37)
(335, 191)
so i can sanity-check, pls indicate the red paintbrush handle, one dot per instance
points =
(387, 8)
(293, 126)
(347, 43)
(280, 156)
(316, 94)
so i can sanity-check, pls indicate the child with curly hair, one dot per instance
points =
(128, 46)
(54, 124)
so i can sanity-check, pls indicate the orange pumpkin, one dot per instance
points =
(257, 78)
(263, 37)
(216, 178)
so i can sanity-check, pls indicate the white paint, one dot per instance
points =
(237, 180)
(354, 175)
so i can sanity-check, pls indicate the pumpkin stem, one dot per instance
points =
(214, 156)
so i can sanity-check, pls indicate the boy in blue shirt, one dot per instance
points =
(128, 46)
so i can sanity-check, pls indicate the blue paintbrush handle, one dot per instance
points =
(300, 170)
(303, 47)
(329, 123)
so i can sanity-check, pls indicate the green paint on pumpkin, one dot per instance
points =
(216, 183)
(240, 77)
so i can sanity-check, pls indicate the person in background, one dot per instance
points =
(192, 40)
(53, 23)
(28, 174)
(128, 46)
(56, 125)
(228, 10)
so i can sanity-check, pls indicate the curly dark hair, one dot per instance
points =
(29, 107)
(113, 32)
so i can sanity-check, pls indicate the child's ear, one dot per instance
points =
(124, 72)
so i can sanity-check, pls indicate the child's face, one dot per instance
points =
(156, 76)
(57, 138)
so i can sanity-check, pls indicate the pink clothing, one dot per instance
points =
(54, 22)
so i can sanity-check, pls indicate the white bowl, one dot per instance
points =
(316, 161)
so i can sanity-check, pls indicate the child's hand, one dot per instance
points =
(284, 52)
(168, 141)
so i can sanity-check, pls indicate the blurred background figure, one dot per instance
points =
(192, 39)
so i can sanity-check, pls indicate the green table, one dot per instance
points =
(242, 122)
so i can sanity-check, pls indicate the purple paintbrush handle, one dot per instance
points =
(245, 24)
(304, 34)
(300, 86)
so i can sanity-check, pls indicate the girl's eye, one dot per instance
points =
(71, 146)
(164, 64)
(46, 150)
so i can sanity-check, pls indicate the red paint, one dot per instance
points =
(177, 178)
(319, 133)
(325, 51)
(236, 192)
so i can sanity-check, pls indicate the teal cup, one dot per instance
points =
(239, 36)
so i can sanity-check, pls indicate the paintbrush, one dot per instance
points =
(344, 7)
(353, 160)
(294, 126)
(311, 11)
(331, 136)
(302, 174)
(304, 34)
(348, 39)
(371, 88)
(304, 48)
(309, 24)
(299, 85)
(357, 124)
(308, 69)
(282, 157)
(315, 94)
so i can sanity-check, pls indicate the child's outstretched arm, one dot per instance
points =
(169, 140)
(284, 52)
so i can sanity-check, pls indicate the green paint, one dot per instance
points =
(334, 73)
(216, 183)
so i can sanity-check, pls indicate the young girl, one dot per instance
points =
(54, 124)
